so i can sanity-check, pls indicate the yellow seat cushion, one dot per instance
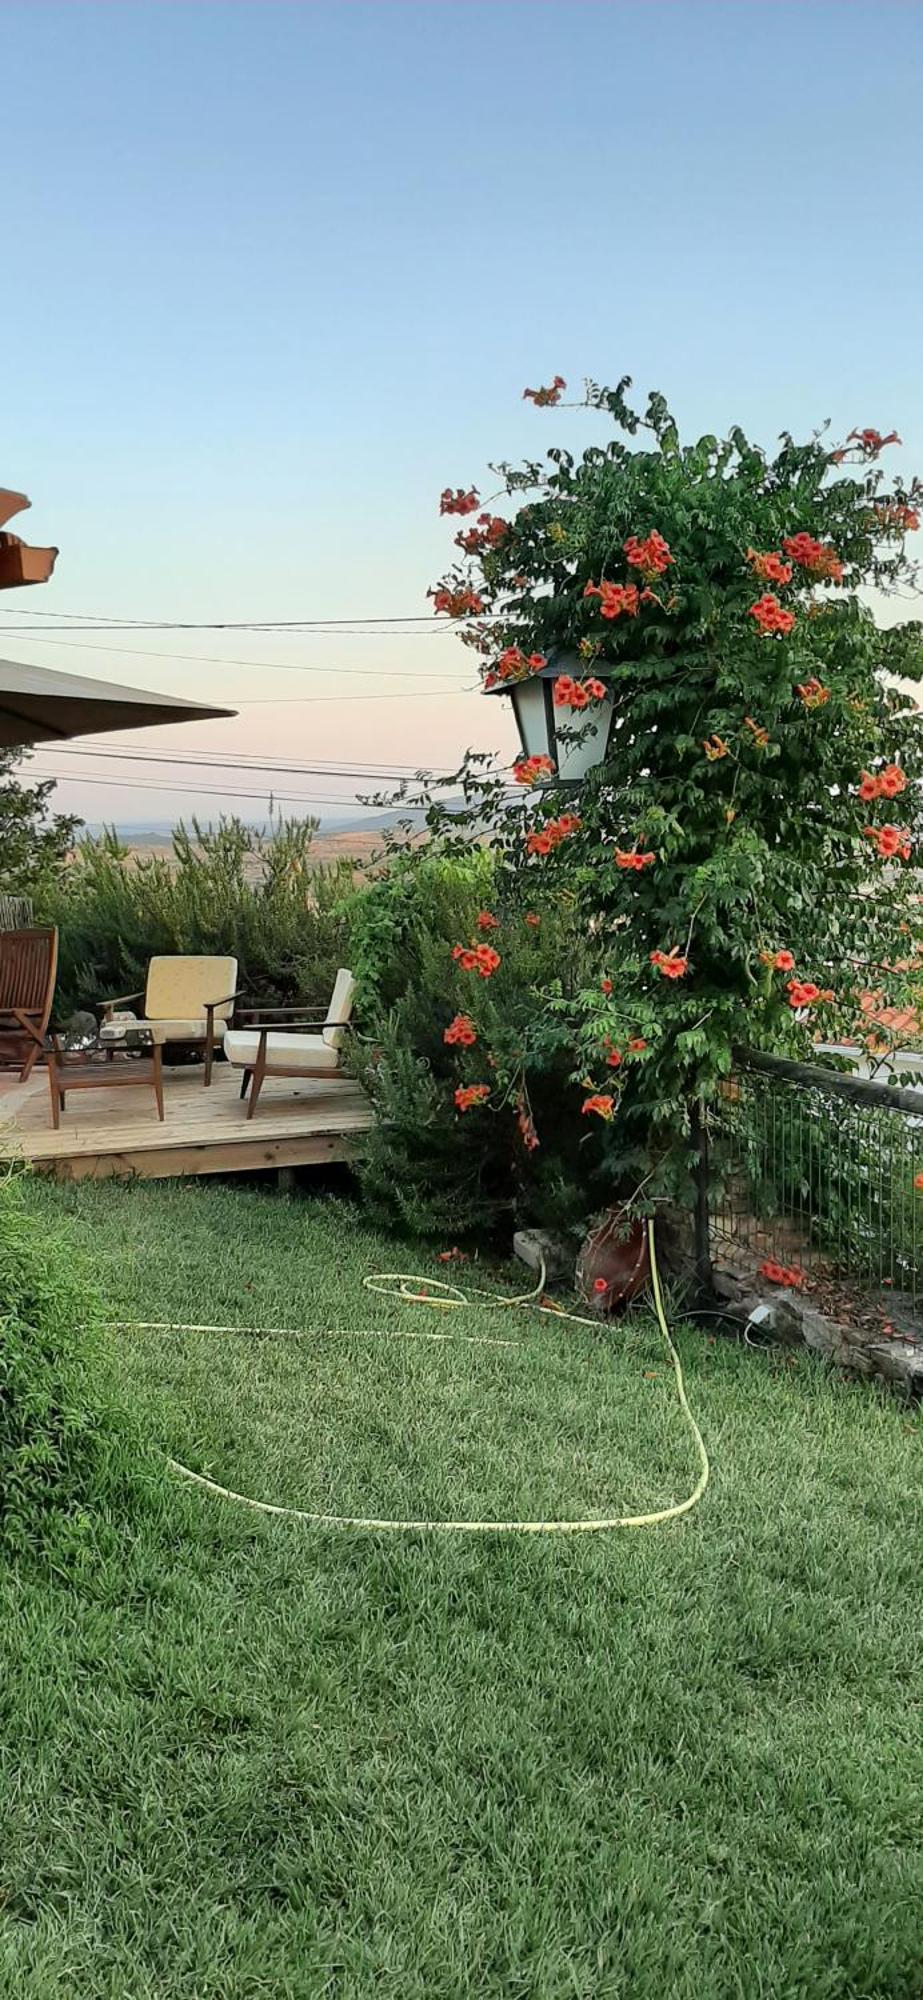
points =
(191, 1030)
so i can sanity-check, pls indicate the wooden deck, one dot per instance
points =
(204, 1131)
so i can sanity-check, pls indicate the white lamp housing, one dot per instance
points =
(575, 739)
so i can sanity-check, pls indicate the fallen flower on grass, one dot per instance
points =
(781, 1274)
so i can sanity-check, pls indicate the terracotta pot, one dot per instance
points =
(614, 1263)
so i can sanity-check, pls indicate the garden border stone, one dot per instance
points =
(788, 1317)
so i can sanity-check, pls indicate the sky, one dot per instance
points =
(277, 271)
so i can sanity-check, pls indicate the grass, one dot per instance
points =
(245, 1758)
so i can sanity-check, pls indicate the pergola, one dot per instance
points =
(40, 706)
(19, 563)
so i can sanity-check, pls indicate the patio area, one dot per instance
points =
(116, 1131)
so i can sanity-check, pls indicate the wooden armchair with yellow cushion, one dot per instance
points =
(186, 999)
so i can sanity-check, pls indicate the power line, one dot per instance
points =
(428, 631)
(217, 660)
(89, 620)
(212, 760)
(200, 791)
(332, 766)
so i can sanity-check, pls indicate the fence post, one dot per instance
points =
(698, 1129)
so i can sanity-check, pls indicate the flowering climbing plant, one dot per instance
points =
(745, 857)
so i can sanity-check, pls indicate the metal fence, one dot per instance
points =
(817, 1170)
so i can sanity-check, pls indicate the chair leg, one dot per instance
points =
(244, 1081)
(30, 1061)
(158, 1079)
(56, 1099)
(209, 1054)
(256, 1084)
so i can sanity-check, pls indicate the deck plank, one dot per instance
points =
(205, 1131)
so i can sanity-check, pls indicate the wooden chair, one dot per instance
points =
(265, 1050)
(28, 969)
(186, 999)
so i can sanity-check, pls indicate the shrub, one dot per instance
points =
(228, 889)
(64, 1447)
(747, 832)
(34, 841)
(428, 1166)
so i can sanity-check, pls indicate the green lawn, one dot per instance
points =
(247, 1758)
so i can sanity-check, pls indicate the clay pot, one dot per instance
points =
(614, 1263)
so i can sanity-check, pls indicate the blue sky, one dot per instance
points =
(277, 272)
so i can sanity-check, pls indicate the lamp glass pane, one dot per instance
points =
(577, 753)
(532, 718)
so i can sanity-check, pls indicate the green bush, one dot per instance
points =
(64, 1446)
(228, 889)
(427, 1167)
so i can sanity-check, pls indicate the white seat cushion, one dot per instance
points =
(291, 1050)
(162, 1031)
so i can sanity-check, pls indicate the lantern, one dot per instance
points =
(574, 739)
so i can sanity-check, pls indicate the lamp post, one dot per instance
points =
(574, 739)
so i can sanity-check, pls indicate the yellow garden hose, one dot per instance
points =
(448, 1298)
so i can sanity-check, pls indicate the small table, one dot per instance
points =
(103, 1071)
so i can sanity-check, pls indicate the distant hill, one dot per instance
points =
(157, 833)
(348, 836)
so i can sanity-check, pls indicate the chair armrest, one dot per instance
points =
(316, 1022)
(306, 1013)
(224, 1001)
(119, 1001)
(286, 1019)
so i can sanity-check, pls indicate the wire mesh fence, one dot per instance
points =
(817, 1171)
